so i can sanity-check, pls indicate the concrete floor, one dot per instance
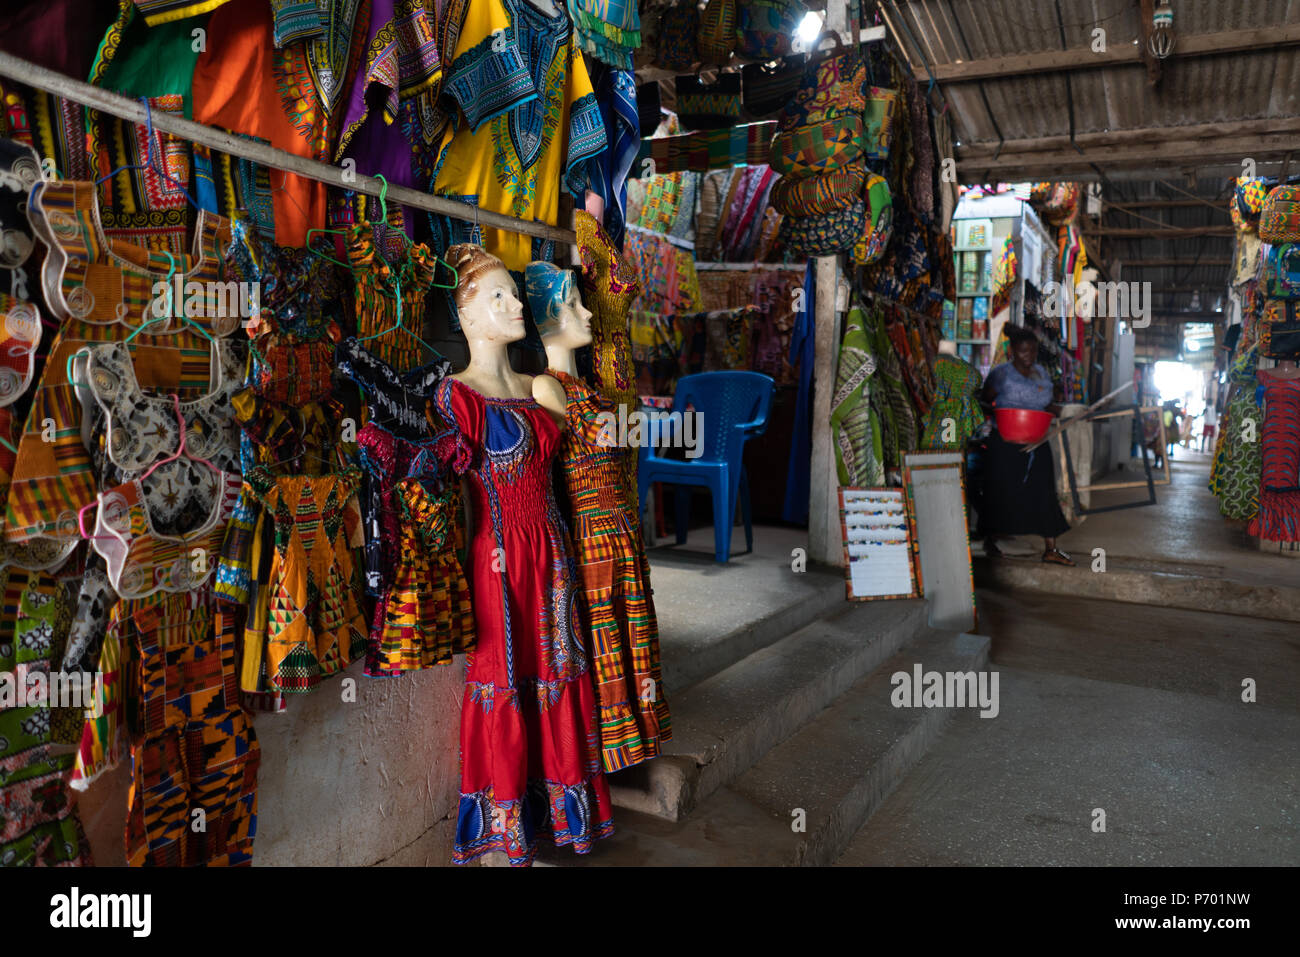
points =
(1182, 532)
(1135, 709)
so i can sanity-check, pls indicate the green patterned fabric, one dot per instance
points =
(1238, 457)
(855, 426)
(956, 384)
(889, 400)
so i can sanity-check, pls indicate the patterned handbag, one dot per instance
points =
(1280, 340)
(830, 88)
(806, 150)
(1280, 310)
(717, 36)
(678, 28)
(765, 28)
(1281, 279)
(871, 245)
(768, 87)
(708, 106)
(822, 193)
(825, 234)
(882, 107)
(1249, 196)
(1279, 219)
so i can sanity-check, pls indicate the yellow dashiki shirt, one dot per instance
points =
(530, 120)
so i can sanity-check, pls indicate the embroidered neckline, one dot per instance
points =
(491, 398)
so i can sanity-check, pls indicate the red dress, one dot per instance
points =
(529, 729)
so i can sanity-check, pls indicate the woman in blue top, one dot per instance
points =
(1019, 489)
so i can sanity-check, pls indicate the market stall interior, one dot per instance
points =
(355, 350)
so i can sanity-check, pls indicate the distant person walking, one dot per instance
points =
(1211, 424)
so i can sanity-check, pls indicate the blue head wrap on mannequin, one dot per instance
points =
(547, 287)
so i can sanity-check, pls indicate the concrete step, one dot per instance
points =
(726, 723)
(707, 630)
(1197, 587)
(836, 770)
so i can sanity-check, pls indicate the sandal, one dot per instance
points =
(1058, 557)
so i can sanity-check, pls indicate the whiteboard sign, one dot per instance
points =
(878, 561)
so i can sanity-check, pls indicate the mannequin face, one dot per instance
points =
(493, 312)
(572, 327)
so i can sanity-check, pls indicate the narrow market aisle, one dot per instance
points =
(1135, 710)
(1178, 553)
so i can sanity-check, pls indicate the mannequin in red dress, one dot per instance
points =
(529, 732)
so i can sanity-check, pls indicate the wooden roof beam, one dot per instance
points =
(1165, 263)
(1172, 232)
(1118, 53)
(1144, 136)
(1158, 157)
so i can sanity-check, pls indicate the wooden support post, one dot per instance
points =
(824, 539)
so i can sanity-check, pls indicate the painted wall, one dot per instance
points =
(373, 781)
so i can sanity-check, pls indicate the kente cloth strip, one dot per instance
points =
(708, 149)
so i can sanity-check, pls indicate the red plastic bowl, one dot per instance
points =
(1022, 425)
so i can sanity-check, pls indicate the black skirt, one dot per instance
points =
(1019, 491)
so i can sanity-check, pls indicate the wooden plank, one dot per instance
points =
(1170, 232)
(1129, 137)
(824, 544)
(1157, 263)
(1119, 52)
(1172, 152)
(1158, 203)
(124, 108)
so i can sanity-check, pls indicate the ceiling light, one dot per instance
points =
(1161, 43)
(810, 27)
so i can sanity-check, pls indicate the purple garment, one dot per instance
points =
(405, 66)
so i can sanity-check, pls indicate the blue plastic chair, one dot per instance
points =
(731, 407)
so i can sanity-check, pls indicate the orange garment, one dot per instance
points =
(243, 83)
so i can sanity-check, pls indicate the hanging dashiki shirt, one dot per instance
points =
(400, 58)
(533, 120)
(241, 82)
(141, 205)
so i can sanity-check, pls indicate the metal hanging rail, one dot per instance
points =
(114, 104)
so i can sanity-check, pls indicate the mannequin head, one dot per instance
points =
(486, 297)
(561, 317)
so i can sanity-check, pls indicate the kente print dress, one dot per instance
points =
(1278, 519)
(616, 585)
(529, 735)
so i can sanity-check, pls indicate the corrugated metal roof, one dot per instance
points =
(1001, 121)
(1244, 85)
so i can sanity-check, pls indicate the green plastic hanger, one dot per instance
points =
(182, 317)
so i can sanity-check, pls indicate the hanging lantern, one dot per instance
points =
(1161, 41)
